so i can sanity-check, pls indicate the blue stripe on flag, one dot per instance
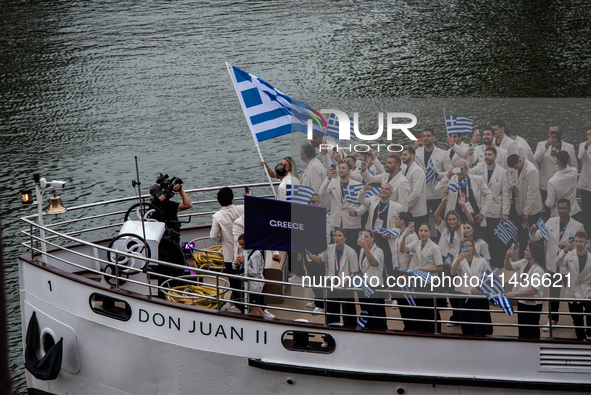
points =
(542, 228)
(457, 124)
(298, 194)
(430, 173)
(495, 292)
(372, 192)
(269, 116)
(351, 192)
(362, 320)
(385, 232)
(410, 299)
(270, 112)
(454, 187)
(506, 231)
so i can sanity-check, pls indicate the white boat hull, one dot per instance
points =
(166, 348)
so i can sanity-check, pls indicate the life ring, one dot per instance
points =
(49, 365)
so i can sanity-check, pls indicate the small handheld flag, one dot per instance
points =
(454, 187)
(542, 228)
(430, 173)
(298, 193)
(457, 124)
(506, 231)
(351, 192)
(491, 286)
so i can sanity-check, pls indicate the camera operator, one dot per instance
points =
(161, 194)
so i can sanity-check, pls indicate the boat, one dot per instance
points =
(94, 321)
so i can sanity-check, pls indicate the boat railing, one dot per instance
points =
(68, 250)
(219, 282)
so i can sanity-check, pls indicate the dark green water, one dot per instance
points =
(86, 86)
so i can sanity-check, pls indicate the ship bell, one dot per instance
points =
(56, 206)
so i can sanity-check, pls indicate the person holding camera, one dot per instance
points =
(161, 193)
(545, 156)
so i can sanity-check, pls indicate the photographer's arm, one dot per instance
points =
(186, 203)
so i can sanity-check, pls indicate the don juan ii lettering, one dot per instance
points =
(202, 328)
(392, 124)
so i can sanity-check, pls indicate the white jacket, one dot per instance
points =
(417, 199)
(524, 148)
(555, 242)
(509, 145)
(221, 229)
(563, 185)
(441, 165)
(399, 183)
(466, 272)
(313, 175)
(547, 162)
(585, 158)
(481, 192)
(339, 213)
(459, 152)
(393, 210)
(478, 156)
(349, 263)
(580, 282)
(499, 185)
(528, 200)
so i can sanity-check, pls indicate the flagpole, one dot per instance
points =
(256, 143)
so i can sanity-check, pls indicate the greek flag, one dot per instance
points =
(372, 192)
(454, 187)
(367, 290)
(426, 277)
(385, 232)
(351, 192)
(457, 124)
(362, 320)
(410, 299)
(542, 228)
(430, 173)
(333, 126)
(298, 193)
(495, 291)
(506, 231)
(268, 111)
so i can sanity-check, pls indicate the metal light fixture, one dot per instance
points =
(27, 196)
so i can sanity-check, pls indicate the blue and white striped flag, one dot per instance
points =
(410, 299)
(351, 192)
(426, 277)
(454, 187)
(430, 173)
(385, 232)
(542, 228)
(371, 192)
(269, 112)
(457, 124)
(367, 289)
(333, 126)
(495, 291)
(362, 319)
(298, 193)
(506, 231)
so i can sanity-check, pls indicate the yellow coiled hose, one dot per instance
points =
(202, 259)
(184, 297)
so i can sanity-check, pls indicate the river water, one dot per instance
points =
(86, 86)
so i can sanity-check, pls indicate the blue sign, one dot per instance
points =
(278, 225)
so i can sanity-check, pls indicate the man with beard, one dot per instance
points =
(474, 189)
(497, 180)
(457, 148)
(429, 153)
(392, 176)
(417, 198)
(488, 142)
(382, 215)
(343, 213)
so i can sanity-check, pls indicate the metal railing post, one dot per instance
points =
(435, 315)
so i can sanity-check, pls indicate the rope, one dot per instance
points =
(203, 260)
(184, 297)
